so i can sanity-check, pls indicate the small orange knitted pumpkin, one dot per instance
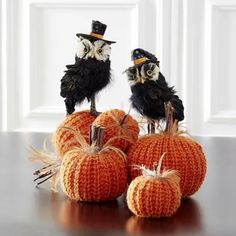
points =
(120, 128)
(154, 194)
(63, 139)
(92, 172)
(182, 154)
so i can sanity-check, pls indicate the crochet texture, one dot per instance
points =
(63, 139)
(152, 197)
(182, 154)
(128, 131)
(93, 177)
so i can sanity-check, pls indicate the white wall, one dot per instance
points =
(194, 40)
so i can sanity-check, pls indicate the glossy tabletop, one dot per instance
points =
(26, 210)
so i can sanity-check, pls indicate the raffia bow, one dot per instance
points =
(51, 169)
(169, 175)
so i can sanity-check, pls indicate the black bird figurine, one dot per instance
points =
(91, 71)
(150, 90)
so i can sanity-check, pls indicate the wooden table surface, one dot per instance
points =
(26, 210)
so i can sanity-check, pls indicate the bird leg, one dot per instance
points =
(70, 105)
(151, 126)
(93, 110)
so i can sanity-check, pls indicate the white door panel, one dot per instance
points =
(194, 40)
(44, 42)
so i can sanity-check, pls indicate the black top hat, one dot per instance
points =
(139, 56)
(98, 30)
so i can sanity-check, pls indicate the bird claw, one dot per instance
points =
(95, 113)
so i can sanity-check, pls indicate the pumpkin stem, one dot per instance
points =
(171, 124)
(158, 167)
(93, 130)
(125, 116)
(123, 120)
(169, 116)
(96, 136)
(100, 138)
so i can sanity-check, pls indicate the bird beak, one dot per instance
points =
(92, 55)
(141, 80)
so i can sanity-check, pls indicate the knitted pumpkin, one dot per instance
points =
(91, 172)
(182, 154)
(154, 194)
(120, 128)
(63, 139)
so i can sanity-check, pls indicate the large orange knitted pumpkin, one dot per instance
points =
(182, 154)
(92, 172)
(154, 194)
(63, 139)
(120, 128)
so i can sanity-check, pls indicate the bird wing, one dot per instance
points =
(154, 93)
(68, 85)
(178, 107)
(73, 80)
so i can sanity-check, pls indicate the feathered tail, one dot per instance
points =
(50, 170)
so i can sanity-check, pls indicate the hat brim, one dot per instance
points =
(141, 63)
(88, 36)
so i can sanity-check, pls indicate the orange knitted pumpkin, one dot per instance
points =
(182, 154)
(118, 124)
(63, 139)
(154, 194)
(92, 172)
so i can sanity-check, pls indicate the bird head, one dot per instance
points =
(97, 49)
(93, 45)
(146, 67)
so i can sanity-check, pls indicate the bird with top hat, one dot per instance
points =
(91, 71)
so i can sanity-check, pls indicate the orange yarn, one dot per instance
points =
(111, 121)
(182, 154)
(63, 139)
(87, 175)
(153, 194)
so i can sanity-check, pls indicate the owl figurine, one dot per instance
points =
(91, 71)
(150, 90)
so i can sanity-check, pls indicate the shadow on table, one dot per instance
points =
(97, 216)
(186, 219)
(114, 216)
(68, 214)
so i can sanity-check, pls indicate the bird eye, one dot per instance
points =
(132, 71)
(86, 50)
(99, 51)
(149, 72)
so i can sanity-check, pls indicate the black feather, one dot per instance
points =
(83, 80)
(149, 98)
(148, 54)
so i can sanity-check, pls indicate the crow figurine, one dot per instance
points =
(91, 71)
(150, 91)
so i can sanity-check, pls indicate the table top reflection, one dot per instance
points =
(26, 210)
